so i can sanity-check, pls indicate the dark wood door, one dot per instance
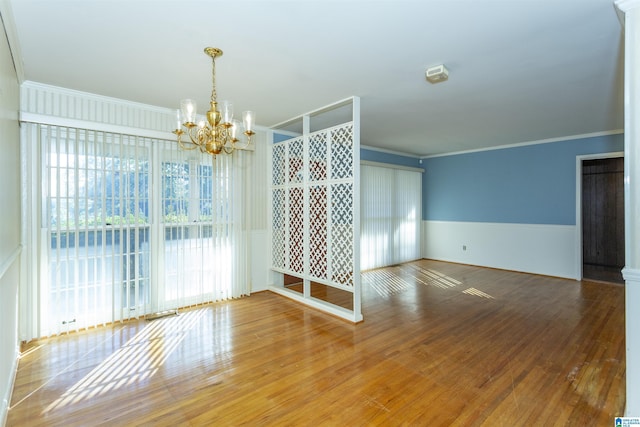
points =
(603, 219)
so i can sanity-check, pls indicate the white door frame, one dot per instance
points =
(578, 238)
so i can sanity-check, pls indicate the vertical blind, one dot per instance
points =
(128, 226)
(95, 228)
(202, 214)
(391, 212)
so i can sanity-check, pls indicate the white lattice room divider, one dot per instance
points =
(315, 209)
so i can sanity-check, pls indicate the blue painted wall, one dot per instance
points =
(382, 157)
(532, 184)
(278, 137)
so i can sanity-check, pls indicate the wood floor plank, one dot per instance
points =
(441, 344)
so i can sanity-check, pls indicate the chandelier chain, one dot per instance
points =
(214, 94)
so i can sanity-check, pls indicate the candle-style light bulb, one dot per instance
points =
(227, 112)
(235, 125)
(248, 119)
(189, 109)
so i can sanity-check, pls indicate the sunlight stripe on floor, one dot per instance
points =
(477, 293)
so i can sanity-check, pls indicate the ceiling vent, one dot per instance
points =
(437, 74)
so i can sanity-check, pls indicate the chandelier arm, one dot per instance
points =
(182, 145)
(246, 144)
(187, 147)
(194, 141)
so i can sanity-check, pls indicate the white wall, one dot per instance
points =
(533, 248)
(260, 260)
(260, 249)
(10, 247)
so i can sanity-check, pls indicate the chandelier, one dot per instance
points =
(216, 134)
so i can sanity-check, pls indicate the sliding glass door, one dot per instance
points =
(96, 224)
(128, 226)
(198, 227)
(391, 201)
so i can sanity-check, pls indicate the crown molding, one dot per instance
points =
(524, 144)
(390, 166)
(388, 151)
(6, 16)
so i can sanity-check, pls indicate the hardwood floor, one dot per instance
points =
(441, 345)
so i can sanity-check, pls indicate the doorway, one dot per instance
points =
(603, 219)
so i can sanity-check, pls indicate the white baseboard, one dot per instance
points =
(318, 304)
(532, 248)
(632, 340)
(6, 399)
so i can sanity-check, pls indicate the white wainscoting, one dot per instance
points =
(532, 248)
(9, 348)
(260, 260)
(52, 102)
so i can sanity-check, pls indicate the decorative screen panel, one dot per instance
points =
(342, 152)
(318, 157)
(279, 161)
(278, 228)
(296, 160)
(318, 238)
(313, 206)
(342, 233)
(296, 230)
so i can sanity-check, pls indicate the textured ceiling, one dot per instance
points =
(520, 70)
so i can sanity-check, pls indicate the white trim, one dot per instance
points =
(385, 150)
(318, 304)
(390, 166)
(4, 407)
(524, 144)
(626, 5)
(357, 277)
(620, 15)
(6, 398)
(337, 104)
(631, 275)
(42, 119)
(6, 15)
(10, 260)
(26, 117)
(578, 243)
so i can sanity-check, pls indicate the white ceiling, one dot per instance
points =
(520, 70)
